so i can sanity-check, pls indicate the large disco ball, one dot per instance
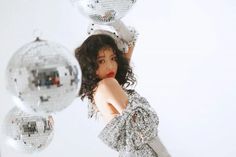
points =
(104, 11)
(26, 132)
(43, 77)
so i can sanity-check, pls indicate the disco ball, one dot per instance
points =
(43, 77)
(104, 11)
(26, 132)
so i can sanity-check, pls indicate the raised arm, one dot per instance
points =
(127, 34)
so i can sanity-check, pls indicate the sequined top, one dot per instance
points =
(129, 132)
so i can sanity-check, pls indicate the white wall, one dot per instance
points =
(184, 61)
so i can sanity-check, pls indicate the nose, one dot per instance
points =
(110, 65)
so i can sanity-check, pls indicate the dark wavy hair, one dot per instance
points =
(87, 54)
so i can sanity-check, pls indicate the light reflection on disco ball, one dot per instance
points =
(104, 11)
(43, 77)
(26, 132)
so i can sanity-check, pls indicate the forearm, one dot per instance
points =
(129, 53)
(128, 34)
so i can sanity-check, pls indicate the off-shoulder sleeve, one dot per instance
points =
(134, 127)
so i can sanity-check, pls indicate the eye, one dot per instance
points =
(114, 58)
(101, 61)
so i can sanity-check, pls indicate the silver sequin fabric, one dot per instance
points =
(130, 132)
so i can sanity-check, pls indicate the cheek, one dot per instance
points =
(116, 66)
(99, 71)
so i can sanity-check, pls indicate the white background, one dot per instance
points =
(185, 62)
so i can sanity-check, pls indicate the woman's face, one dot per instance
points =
(107, 63)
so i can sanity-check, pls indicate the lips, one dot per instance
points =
(110, 74)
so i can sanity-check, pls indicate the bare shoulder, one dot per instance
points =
(110, 92)
(106, 88)
(108, 83)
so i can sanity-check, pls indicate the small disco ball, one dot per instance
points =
(43, 77)
(26, 132)
(104, 11)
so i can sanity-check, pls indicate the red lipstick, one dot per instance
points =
(111, 74)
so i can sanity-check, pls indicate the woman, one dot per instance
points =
(131, 127)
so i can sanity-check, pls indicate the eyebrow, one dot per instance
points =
(103, 56)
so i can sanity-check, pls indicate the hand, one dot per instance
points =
(128, 34)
